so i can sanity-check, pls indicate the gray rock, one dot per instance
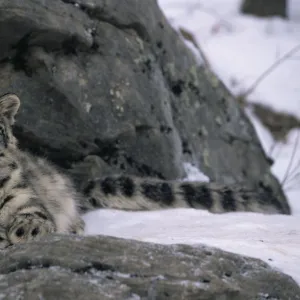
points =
(112, 268)
(112, 79)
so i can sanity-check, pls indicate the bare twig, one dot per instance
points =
(292, 158)
(187, 35)
(292, 185)
(279, 150)
(272, 148)
(294, 173)
(270, 69)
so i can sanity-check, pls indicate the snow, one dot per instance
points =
(239, 49)
(274, 239)
(194, 174)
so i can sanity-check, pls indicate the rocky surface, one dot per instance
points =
(113, 80)
(265, 8)
(111, 268)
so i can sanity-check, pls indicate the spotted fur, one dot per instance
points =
(35, 199)
(135, 193)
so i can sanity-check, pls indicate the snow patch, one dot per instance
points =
(194, 174)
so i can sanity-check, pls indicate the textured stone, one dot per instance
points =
(111, 268)
(112, 79)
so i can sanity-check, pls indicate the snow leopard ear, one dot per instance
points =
(9, 106)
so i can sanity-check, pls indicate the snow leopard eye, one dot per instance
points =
(20, 232)
(35, 231)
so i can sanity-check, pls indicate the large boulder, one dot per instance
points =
(112, 268)
(112, 81)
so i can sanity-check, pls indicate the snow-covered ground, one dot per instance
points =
(239, 49)
(276, 240)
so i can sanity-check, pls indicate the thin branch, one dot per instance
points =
(292, 159)
(291, 187)
(294, 182)
(294, 173)
(187, 35)
(272, 148)
(270, 69)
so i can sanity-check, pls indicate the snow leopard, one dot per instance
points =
(37, 199)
